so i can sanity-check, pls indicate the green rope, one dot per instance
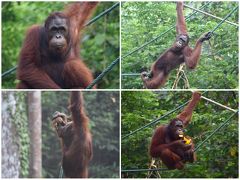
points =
(107, 11)
(154, 121)
(143, 170)
(9, 71)
(130, 74)
(102, 14)
(211, 33)
(158, 119)
(105, 71)
(219, 24)
(156, 169)
(222, 125)
(212, 16)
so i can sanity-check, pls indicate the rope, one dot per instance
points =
(224, 19)
(172, 111)
(175, 83)
(109, 68)
(107, 11)
(208, 14)
(221, 105)
(158, 119)
(216, 130)
(9, 71)
(219, 24)
(143, 170)
(181, 75)
(102, 14)
(105, 71)
(154, 121)
(130, 74)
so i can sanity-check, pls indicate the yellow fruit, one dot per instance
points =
(187, 141)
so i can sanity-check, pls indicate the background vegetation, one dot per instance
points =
(216, 158)
(99, 46)
(142, 21)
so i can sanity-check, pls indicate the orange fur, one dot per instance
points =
(172, 149)
(37, 69)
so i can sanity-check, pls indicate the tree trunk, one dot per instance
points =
(10, 140)
(35, 127)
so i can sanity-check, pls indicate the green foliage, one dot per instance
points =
(103, 111)
(20, 121)
(100, 41)
(217, 158)
(143, 21)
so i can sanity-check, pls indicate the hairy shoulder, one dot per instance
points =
(160, 132)
(33, 30)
